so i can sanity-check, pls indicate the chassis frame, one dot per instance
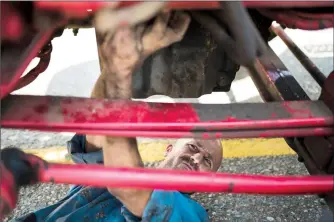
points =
(288, 112)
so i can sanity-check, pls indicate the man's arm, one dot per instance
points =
(121, 54)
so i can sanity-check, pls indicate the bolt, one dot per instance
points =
(75, 31)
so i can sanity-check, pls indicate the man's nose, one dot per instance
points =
(197, 158)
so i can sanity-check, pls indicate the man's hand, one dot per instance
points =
(167, 29)
(125, 50)
(128, 47)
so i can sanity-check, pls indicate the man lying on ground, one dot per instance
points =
(97, 204)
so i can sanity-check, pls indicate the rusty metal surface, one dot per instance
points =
(274, 80)
(276, 83)
(262, 111)
(313, 163)
(321, 149)
(234, 31)
(188, 69)
(317, 153)
(45, 57)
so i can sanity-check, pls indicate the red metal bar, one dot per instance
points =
(45, 57)
(74, 6)
(228, 134)
(10, 78)
(84, 9)
(12, 27)
(100, 176)
(89, 115)
(294, 19)
(141, 178)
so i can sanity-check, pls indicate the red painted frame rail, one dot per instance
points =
(163, 179)
(98, 116)
(75, 6)
(100, 176)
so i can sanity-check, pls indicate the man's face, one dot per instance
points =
(194, 155)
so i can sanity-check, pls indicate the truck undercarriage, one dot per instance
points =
(221, 37)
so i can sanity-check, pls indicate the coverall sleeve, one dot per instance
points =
(173, 206)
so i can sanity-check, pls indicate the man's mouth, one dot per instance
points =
(188, 166)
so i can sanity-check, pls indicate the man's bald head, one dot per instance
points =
(194, 154)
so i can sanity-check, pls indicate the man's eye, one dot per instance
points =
(208, 161)
(193, 147)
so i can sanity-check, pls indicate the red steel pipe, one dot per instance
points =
(166, 120)
(141, 178)
(75, 6)
(45, 57)
(100, 176)
(68, 114)
(10, 80)
(173, 126)
(233, 134)
(12, 27)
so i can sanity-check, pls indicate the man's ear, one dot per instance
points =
(168, 149)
